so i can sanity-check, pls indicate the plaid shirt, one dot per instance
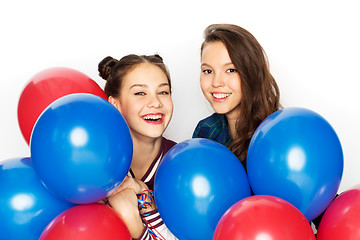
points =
(214, 127)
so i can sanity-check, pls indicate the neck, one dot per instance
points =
(144, 152)
(232, 118)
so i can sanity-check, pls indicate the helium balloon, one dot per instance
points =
(47, 86)
(263, 217)
(341, 219)
(26, 206)
(296, 155)
(196, 182)
(81, 148)
(87, 222)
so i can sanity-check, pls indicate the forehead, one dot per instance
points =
(214, 51)
(145, 74)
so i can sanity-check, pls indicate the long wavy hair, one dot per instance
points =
(260, 92)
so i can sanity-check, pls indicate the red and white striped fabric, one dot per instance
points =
(155, 225)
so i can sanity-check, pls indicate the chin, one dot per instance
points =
(220, 111)
(154, 135)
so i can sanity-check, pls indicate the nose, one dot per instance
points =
(154, 102)
(218, 81)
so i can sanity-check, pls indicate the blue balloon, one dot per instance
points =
(81, 148)
(296, 155)
(26, 206)
(196, 182)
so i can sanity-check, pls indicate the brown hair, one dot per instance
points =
(260, 93)
(114, 71)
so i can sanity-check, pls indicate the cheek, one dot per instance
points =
(169, 105)
(204, 84)
(235, 85)
(130, 108)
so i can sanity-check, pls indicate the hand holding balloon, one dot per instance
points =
(129, 182)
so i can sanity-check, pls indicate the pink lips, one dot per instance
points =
(153, 118)
(220, 96)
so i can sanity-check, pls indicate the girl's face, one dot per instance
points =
(145, 101)
(220, 82)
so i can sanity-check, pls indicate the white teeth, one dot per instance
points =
(221, 95)
(153, 117)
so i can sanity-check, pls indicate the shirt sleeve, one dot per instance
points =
(145, 235)
(196, 133)
(154, 224)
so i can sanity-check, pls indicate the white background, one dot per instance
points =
(312, 46)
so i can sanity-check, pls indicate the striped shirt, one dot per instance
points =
(149, 176)
(153, 221)
(156, 222)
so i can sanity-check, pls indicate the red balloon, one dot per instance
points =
(47, 86)
(341, 219)
(263, 217)
(86, 222)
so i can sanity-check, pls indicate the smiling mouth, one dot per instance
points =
(157, 118)
(219, 97)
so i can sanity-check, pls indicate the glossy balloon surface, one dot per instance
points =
(263, 217)
(26, 206)
(47, 86)
(81, 148)
(196, 182)
(342, 219)
(296, 155)
(87, 222)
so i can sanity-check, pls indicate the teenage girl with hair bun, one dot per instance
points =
(140, 88)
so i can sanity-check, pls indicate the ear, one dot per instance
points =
(115, 102)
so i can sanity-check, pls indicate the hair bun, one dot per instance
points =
(158, 56)
(153, 58)
(105, 67)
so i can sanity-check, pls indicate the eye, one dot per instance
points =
(140, 94)
(231, 70)
(164, 93)
(207, 71)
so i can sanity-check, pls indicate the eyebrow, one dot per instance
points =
(138, 85)
(146, 86)
(208, 65)
(205, 65)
